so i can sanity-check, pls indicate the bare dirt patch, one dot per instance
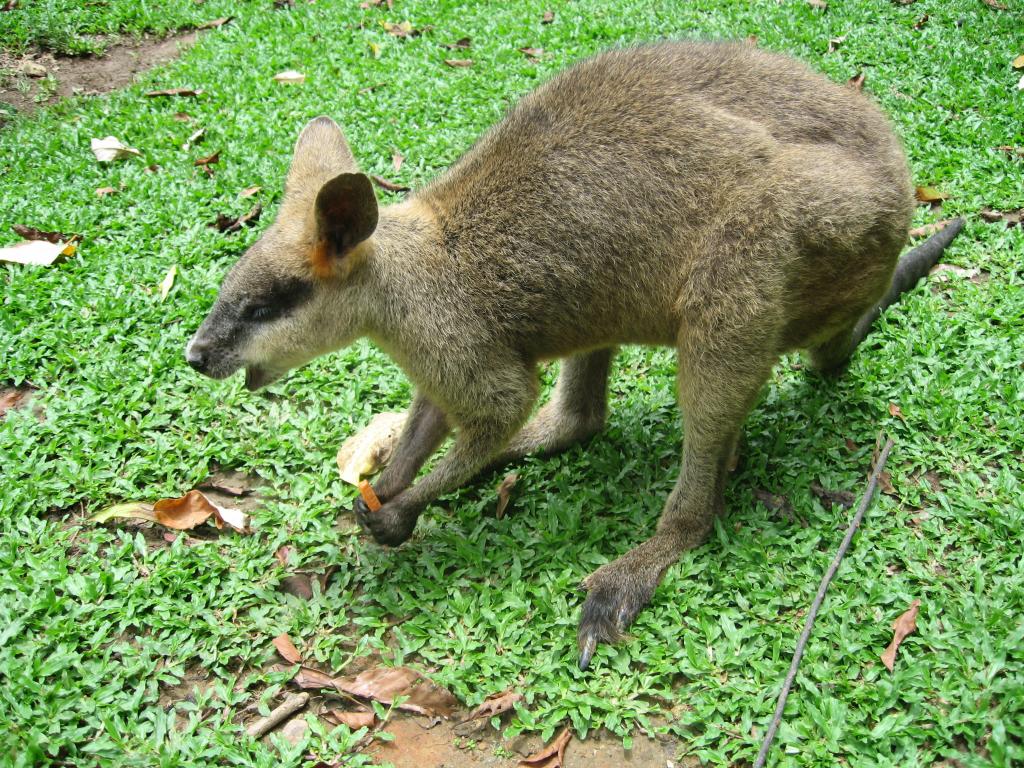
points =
(36, 79)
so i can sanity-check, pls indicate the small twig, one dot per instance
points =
(292, 704)
(865, 501)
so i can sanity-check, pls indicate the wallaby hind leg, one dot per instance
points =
(717, 387)
(831, 356)
(425, 428)
(577, 409)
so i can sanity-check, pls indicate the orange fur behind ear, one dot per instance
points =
(320, 260)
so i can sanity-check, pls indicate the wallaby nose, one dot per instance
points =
(194, 355)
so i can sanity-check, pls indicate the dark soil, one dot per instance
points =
(26, 87)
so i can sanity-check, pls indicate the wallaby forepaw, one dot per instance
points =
(390, 525)
(614, 598)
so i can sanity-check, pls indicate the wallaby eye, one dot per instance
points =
(260, 312)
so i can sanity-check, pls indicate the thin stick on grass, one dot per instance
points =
(265, 725)
(865, 502)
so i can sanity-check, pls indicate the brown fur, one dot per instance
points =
(712, 197)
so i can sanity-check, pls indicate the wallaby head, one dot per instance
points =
(293, 294)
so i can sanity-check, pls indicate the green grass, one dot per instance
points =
(95, 622)
(77, 27)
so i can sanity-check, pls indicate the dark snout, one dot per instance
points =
(209, 358)
(197, 355)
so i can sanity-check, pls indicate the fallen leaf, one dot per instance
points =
(249, 191)
(10, 5)
(31, 233)
(929, 229)
(225, 223)
(354, 720)
(168, 282)
(109, 149)
(1018, 63)
(195, 138)
(369, 451)
(843, 499)
(504, 493)
(370, 88)
(921, 22)
(1012, 218)
(1020, 84)
(459, 62)
(885, 482)
(405, 29)
(819, 4)
(929, 195)
(215, 23)
(390, 186)
(295, 730)
(385, 684)
(532, 53)
(131, 509)
(995, 5)
(152, 168)
(552, 755)
(209, 159)
(39, 253)
(13, 398)
(903, 626)
(182, 117)
(461, 44)
(548, 17)
(175, 92)
(188, 511)
(941, 272)
(850, 445)
(283, 4)
(895, 412)
(287, 648)
(31, 68)
(374, 49)
(290, 76)
(495, 704)
(104, 191)
(283, 554)
(397, 160)
(857, 81)
(835, 42)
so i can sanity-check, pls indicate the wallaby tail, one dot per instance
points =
(912, 266)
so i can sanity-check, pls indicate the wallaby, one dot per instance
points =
(709, 196)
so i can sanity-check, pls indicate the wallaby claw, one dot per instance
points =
(390, 525)
(614, 599)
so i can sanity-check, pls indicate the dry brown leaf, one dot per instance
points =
(249, 191)
(38, 253)
(928, 230)
(104, 191)
(354, 720)
(313, 679)
(532, 53)
(176, 92)
(209, 159)
(1018, 63)
(504, 493)
(283, 554)
(459, 62)
(495, 704)
(461, 44)
(405, 29)
(369, 451)
(857, 81)
(194, 139)
(843, 499)
(10, 5)
(929, 195)
(995, 5)
(385, 684)
(182, 117)
(287, 648)
(903, 626)
(31, 233)
(552, 756)
(193, 508)
(215, 23)
(941, 272)
(390, 186)
(290, 77)
(1012, 218)
(885, 483)
(921, 22)
(821, 5)
(397, 160)
(548, 17)
(226, 224)
(110, 148)
(12, 398)
(168, 282)
(835, 42)
(895, 412)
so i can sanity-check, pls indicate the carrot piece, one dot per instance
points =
(366, 491)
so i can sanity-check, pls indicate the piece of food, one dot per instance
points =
(366, 491)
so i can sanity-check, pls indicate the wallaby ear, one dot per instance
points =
(321, 152)
(346, 214)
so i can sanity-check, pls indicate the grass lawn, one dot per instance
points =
(96, 623)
